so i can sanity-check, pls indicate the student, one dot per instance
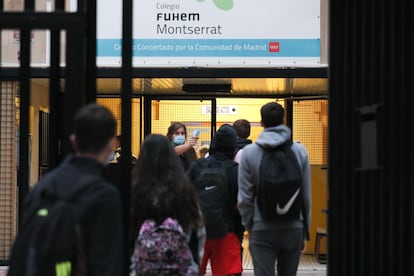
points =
(183, 145)
(161, 189)
(242, 128)
(272, 240)
(96, 203)
(223, 251)
(116, 155)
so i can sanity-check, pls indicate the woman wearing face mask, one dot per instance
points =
(184, 148)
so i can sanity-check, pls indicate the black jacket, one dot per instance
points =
(242, 142)
(97, 207)
(222, 149)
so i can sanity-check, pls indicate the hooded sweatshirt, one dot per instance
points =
(222, 149)
(249, 168)
(224, 142)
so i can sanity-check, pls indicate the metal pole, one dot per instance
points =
(126, 111)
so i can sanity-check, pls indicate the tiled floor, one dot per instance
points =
(308, 266)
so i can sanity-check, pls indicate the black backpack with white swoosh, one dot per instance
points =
(279, 192)
(213, 190)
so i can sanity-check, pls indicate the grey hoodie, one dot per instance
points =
(249, 175)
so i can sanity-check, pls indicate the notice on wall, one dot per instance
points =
(213, 33)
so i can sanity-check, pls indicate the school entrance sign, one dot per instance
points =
(213, 33)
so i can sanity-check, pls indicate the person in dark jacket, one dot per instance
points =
(97, 202)
(242, 128)
(223, 253)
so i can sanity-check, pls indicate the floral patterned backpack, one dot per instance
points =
(162, 249)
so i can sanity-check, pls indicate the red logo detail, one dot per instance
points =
(274, 47)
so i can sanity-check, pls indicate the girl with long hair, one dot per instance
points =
(161, 189)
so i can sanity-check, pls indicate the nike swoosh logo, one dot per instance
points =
(284, 210)
(207, 188)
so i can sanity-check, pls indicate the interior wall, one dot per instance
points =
(39, 101)
(114, 104)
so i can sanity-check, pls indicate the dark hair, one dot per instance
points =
(272, 114)
(161, 188)
(173, 127)
(94, 126)
(224, 141)
(242, 128)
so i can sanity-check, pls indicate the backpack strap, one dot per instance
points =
(50, 190)
(288, 146)
(227, 167)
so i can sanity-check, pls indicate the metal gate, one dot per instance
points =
(70, 86)
(371, 211)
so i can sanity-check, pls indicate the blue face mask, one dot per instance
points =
(178, 140)
(111, 157)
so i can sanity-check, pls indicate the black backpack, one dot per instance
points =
(279, 193)
(213, 192)
(50, 240)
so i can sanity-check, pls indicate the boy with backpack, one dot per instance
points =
(72, 217)
(274, 196)
(215, 180)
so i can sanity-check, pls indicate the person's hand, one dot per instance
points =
(193, 141)
(303, 247)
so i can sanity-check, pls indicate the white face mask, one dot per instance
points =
(178, 140)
